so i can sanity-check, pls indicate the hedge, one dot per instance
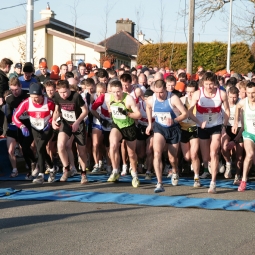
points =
(211, 56)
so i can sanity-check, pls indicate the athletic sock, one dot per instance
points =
(228, 163)
(196, 176)
(15, 170)
(115, 171)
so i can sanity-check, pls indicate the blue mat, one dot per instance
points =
(129, 199)
(127, 179)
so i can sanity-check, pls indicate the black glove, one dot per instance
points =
(124, 112)
(104, 122)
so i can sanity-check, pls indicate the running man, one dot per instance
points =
(189, 138)
(247, 105)
(39, 109)
(168, 111)
(123, 110)
(208, 101)
(232, 144)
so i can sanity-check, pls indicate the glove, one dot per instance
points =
(124, 112)
(47, 127)
(104, 122)
(25, 131)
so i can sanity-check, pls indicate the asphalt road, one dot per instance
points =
(67, 228)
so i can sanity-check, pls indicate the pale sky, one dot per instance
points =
(91, 17)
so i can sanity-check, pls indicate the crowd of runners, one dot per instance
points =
(140, 120)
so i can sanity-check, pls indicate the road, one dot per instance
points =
(39, 227)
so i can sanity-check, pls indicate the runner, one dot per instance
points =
(208, 101)
(136, 92)
(232, 144)
(73, 109)
(39, 109)
(14, 134)
(247, 105)
(189, 138)
(123, 110)
(144, 146)
(165, 106)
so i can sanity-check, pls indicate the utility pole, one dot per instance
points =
(29, 31)
(229, 36)
(190, 46)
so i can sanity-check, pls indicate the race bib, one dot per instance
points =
(164, 118)
(68, 115)
(210, 118)
(116, 114)
(37, 123)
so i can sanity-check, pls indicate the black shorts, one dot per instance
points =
(13, 134)
(186, 136)
(171, 134)
(106, 140)
(206, 133)
(55, 135)
(79, 135)
(233, 136)
(141, 133)
(128, 133)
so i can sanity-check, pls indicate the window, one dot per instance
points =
(76, 57)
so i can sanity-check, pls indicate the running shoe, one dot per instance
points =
(124, 170)
(113, 177)
(212, 188)
(221, 168)
(35, 170)
(175, 179)
(14, 174)
(148, 176)
(84, 179)
(65, 175)
(237, 180)
(159, 188)
(197, 183)
(205, 175)
(39, 179)
(108, 170)
(228, 174)
(166, 169)
(29, 177)
(242, 186)
(73, 171)
(47, 171)
(52, 176)
(135, 182)
(170, 173)
(96, 169)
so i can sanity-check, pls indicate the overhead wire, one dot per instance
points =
(9, 7)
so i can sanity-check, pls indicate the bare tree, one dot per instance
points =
(139, 15)
(243, 22)
(161, 31)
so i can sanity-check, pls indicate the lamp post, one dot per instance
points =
(29, 31)
(229, 36)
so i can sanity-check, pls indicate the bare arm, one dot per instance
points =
(194, 101)
(130, 104)
(239, 106)
(149, 114)
(226, 107)
(176, 102)
(55, 117)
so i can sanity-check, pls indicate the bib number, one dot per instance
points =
(164, 118)
(117, 114)
(68, 115)
(37, 123)
(210, 118)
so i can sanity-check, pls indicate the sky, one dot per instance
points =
(91, 18)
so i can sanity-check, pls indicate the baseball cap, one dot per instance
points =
(35, 89)
(18, 65)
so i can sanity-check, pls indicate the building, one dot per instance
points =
(53, 39)
(123, 45)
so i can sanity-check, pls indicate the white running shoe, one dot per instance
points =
(175, 179)
(221, 168)
(124, 170)
(228, 174)
(196, 183)
(212, 188)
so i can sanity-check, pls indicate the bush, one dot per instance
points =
(211, 56)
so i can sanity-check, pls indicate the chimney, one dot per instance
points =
(45, 14)
(140, 36)
(125, 25)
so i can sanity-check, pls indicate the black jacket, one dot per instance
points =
(4, 85)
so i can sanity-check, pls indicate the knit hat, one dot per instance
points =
(180, 86)
(35, 89)
(107, 64)
(54, 75)
(69, 62)
(28, 67)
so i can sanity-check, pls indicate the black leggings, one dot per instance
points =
(41, 139)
